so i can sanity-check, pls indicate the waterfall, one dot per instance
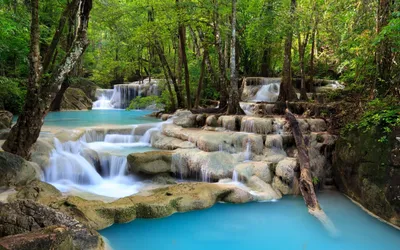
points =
(268, 93)
(121, 95)
(67, 164)
(235, 176)
(117, 138)
(247, 153)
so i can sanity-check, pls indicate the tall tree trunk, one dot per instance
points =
(302, 52)
(221, 60)
(172, 76)
(312, 57)
(384, 53)
(42, 91)
(184, 63)
(287, 92)
(234, 98)
(201, 79)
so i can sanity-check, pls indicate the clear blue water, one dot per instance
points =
(73, 119)
(284, 225)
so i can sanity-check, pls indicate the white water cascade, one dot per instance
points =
(97, 162)
(268, 93)
(122, 94)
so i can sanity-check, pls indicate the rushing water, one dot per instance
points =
(285, 225)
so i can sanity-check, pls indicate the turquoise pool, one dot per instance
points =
(284, 225)
(73, 119)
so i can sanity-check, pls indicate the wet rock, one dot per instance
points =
(281, 186)
(229, 122)
(5, 119)
(163, 179)
(259, 169)
(156, 203)
(38, 191)
(286, 169)
(41, 151)
(363, 169)
(212, 121)
(154, 162)
(257, 125)
(265, 190)
(164, 142)
(16, 171)
(75, 99)
(238, 196)
(165, 117)
(25, 216)
(184, 118)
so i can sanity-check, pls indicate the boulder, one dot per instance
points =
(281, 186)
(5, 119)
(184, 118)
(154, 162)
(41, 151)
(163, 179)
(259, 169)
(286, 169)
(212, 121)
(164, 142)
(238, 196)
(87, 86)
(264, 190)
(75, 99)
(25, 216)
(38, 191)
(16, 171)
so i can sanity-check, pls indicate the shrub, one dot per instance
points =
(12, 95)
(143, 102)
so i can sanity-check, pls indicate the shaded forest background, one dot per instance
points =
(189, 43)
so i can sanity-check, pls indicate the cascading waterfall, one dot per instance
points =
(96, 163)
(235, 176)
(247, 153)
(121, 95)
(268, 93)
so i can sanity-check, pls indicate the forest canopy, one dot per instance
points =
(357, 42)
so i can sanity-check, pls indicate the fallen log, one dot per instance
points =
(305, 182)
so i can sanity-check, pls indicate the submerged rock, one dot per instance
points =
(156, 203)
(16, 171)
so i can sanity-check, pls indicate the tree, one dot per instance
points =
(287, 92)
(234, 98)
(43, 85)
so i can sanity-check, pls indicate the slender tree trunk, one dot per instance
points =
(172, 76)
(302, 51)
(42, 91)
(312, 56)
(234, 98)
(384, 53)
(196, 47)
(221, 60)
(184, 63)
(201, 79)
(56, 103)
(287, 92)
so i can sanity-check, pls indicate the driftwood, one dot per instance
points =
(305, 182)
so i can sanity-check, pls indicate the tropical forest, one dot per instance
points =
(200, 124)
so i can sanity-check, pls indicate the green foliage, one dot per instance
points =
(315, 180)
(381, 113)
(143, 102)
(12, 95)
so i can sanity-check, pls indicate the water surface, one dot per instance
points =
(284, 224)
(73, 119)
